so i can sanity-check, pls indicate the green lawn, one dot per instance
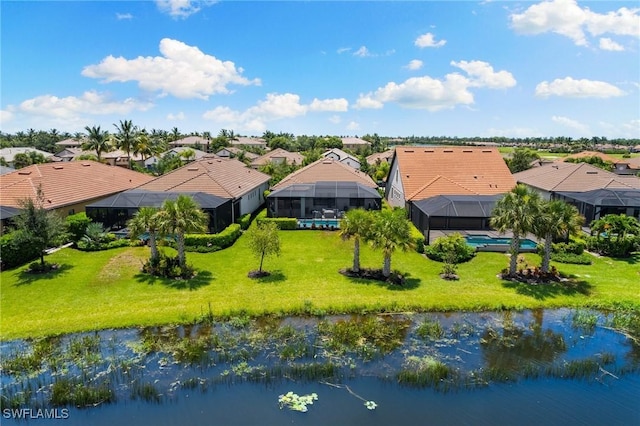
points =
(106, 290)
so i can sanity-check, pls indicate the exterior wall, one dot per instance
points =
(333, 156)
(394, 191)
(253, 199)
(351, 163)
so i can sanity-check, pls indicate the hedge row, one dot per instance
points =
(283, 223)
(245, 221)
(13, 254)
(418, 238)
(223, 239)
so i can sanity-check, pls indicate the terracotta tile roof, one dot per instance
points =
(430, 171)
(67, 183)
(276, 154)
(236, 151)
(190, 140)
(587, 154)
(632, 163)
(9, 153)
(223, 177)
(382, 156)
(575, 177)
(242, 140)
(327, 170)
(355, 142)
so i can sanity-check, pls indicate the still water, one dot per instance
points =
(526, 368)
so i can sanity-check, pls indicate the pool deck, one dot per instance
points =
(493, 234)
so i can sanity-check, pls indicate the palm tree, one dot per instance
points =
(391, 231)
(179, 217)
(145, 220)
(557, 220)
(126, 137)
(97, 140)
(357, 225)
(516, 212)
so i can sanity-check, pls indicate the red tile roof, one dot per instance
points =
(67, 183)
(326, 170)
(223, 177)
(427, 171)
(278, 153)
(588, 154)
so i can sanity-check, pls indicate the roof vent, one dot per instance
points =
(85, 164)
(58, 167)
(429, 150)
(467, 150)
(408, 150)
(448, 150)
(487, 150)
(192, 169)
(24, 172)
(592, 173)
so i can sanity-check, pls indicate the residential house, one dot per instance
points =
(355, 144)
(323, 188)
(6, 169)
(120, 158)
(447, 187)
(232, 152)
(589, 154)
(248, 142)
(67, 187)
(379, 157)
(197, 154)
(342, 157)
(223, 177)
(278, 156)
(595, 192)
(196, 142)
(70, 143)
(9, 153)
(627, 166)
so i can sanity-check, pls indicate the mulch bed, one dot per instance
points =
(258, 274)
(374, 274)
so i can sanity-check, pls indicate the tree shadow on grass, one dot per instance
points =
(202, 278)
(396, 282)
(544, 291)
(25, 277)
(273, 277)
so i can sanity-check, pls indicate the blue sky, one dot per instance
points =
(429, 68)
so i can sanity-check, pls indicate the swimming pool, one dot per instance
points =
(319, 223)
(487, 243)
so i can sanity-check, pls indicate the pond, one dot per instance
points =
(530, 367)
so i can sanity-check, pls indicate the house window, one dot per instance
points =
(72, 211)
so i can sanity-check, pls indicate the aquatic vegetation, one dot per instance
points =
(430, 329)
(297, 402)
(584, 320)
(145, 391)
(424, 371)
(80, 394)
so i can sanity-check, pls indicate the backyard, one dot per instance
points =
(106, 289)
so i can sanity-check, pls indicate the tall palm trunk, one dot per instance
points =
(386, 266)
(356, 255)
(153, 244)
(514, 250)
(182, 259)
(546, 258)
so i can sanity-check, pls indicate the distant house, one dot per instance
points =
(196, 142)
(595, 192)
(278, 156)
(232, 152)
(447, 187)
(627, 166)
(636, 148)
(70, 143)
(324, 187)
(67, 187)
(9, 153)
(6, 169)
(342, 157)
(120, 158)
(223, 177)
(589, 154)
(379, 157)
(178, 151)
(115, 211)
(71, 154)
(250, 142)
(355, 144)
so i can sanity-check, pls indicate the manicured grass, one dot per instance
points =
(106, 290)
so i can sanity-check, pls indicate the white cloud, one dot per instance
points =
(569, 87)
(340, 104)
(353, 125)
(335, 119)
(362, 52)
(5, 117)
(90, 102)
(566, 18)
(182, 8)
(482, 75)
(182, 71)
(428, 40)
(274, 107)
(514, 132)
(414, 64)
(343, 50)
(608, 44)
(572, 124)
(176, 117)
(433, 94)
(124, 16)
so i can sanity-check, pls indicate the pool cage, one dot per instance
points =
(321, 200)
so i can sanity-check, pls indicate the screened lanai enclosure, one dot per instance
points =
(455, 212)
(321, 199)
(114, 212)
(601, 202)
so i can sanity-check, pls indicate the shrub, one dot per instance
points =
(245, 221)
(77, 226)
(110, 241)
(614, 247)
(418, 238)
(223, 239)
(13, 254)
(168, 267)
(283, 223)
(577, 259)
(452, 248)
